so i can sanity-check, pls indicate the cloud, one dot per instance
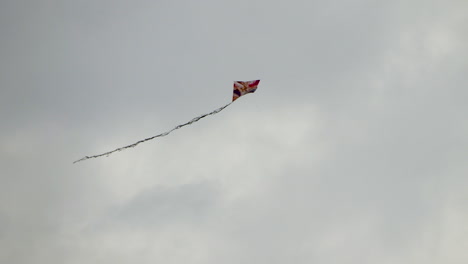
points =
(352, 150)
(163, 206)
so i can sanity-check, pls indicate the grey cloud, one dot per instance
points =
(352, 150)
(162, 206)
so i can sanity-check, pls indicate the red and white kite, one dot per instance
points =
(240, 89)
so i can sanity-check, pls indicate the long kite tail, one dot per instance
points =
(153, 137)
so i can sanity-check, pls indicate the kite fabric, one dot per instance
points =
(240, 89)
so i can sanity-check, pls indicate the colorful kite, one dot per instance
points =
(240, 89)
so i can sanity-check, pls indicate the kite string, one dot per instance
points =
(153, 137)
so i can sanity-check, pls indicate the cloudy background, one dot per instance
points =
(353, 149)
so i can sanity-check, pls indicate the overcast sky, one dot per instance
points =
(353, 149)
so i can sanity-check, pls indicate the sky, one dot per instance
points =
(352, 150)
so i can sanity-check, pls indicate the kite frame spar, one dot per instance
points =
(240, 89)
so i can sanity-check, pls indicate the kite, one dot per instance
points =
(240, 88)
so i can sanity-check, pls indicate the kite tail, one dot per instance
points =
(153, 137)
